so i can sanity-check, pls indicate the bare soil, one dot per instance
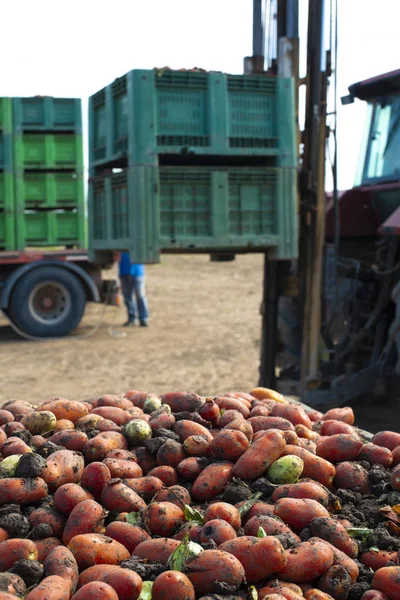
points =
(203, 336)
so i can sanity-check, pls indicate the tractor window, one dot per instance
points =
(359, 179)
(382, 157)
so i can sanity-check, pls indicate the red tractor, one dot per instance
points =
(359, 346)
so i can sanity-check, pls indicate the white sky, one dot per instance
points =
(74, 48)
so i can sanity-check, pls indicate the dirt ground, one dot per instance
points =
(203, 336)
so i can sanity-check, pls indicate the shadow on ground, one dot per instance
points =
(7, 335)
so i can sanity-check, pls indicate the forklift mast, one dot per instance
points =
(307, 271)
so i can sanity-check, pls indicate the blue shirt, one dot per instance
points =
(126, 268)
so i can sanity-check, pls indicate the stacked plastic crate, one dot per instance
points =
(7, 231)
(48, 167)
(192, 161)
(42, 186)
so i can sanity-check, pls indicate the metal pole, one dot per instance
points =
(269, 337)
(270, 299)
(313, 194)
(288, 50)
(258, 29)
(288, 66)
(317, 265)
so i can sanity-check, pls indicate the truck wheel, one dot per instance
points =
(47, 302)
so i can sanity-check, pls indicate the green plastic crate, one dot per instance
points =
(6, 115)
(6, 190)
(146, 210)
(47, 114)
(7, 229)
(50, 228)
(7, 211)
(122, 213)
(6, 152)
(3, 195)
(2, 228)
(50, 190)
(147, 113)
(47, 151)
(252, 210)
(227, 206)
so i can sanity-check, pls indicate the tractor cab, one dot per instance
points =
(372, 206)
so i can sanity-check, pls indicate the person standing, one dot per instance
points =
(133, 288)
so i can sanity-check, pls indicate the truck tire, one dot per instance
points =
(47, 302)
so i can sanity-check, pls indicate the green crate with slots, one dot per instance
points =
(7, 230)
(50, 228)
(6, 152)
(48, 152)
(50, 190)
(194, 209)
(47, 114)
(6, 118)
(123, 213)
(6, 190)
(149, 113)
